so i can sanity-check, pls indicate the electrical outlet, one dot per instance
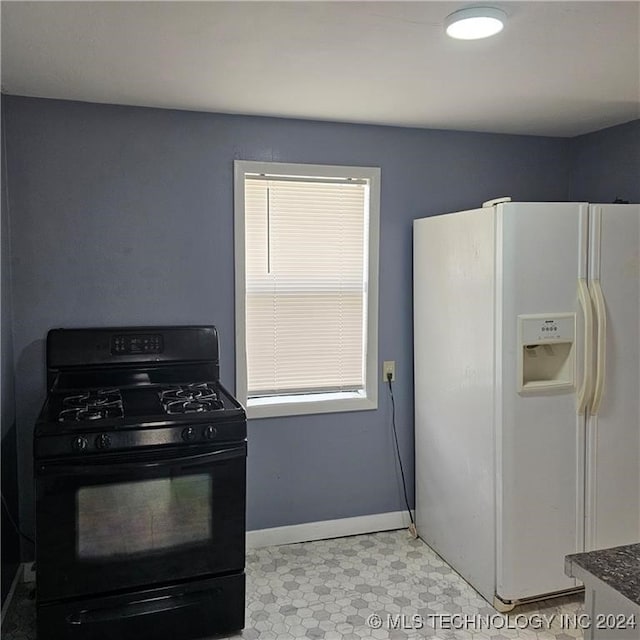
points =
(389, 367)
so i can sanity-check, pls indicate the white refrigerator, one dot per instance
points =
(527, 390)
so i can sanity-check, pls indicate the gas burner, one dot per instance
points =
(91, 413)
(93, 405)
(95, 398)
(190, 398)
(189, 392)
(179, 406)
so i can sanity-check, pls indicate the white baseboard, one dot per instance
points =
(14, 583)
(310, 531)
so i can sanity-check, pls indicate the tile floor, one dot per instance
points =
(382, 585)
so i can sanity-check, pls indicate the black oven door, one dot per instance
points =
(120, 521)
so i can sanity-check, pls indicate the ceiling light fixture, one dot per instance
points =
(475, 23)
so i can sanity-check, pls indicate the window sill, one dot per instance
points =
(298, 405)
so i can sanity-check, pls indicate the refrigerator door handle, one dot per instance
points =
(601, 322)
(584, 393)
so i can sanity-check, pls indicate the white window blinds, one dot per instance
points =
(306, 266)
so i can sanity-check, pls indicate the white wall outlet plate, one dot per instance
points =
(389, 366)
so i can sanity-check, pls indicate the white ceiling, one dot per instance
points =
(558, 68)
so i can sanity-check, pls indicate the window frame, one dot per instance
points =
(304, 404)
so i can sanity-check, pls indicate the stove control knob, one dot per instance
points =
(188, 434)
(210, 432)
(79, 444)
(103, 441)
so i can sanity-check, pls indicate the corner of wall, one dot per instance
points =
(605, 164)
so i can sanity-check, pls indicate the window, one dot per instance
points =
(306, 240)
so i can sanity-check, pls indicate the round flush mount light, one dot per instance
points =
(475, 23)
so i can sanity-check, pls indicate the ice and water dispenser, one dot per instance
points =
(546, 354)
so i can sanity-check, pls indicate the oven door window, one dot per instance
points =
(132, 518)
(110, 522)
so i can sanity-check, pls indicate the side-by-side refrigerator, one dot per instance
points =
(527, 390)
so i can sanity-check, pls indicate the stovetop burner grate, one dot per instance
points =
(189, 398)
(92, 405)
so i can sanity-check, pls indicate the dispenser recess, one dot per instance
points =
(546, 352)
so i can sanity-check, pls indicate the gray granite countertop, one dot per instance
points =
(618, 567)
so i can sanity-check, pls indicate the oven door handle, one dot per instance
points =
(89, 466)
(87, 617)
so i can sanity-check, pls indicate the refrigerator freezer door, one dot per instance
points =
(540, 436)
(612, 501)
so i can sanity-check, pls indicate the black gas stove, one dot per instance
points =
(140, 462)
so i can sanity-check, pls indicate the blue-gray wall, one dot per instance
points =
(124, 216)
(10, 546)
(606, 164)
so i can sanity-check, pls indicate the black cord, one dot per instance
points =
(13, 522)
(395, 436)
